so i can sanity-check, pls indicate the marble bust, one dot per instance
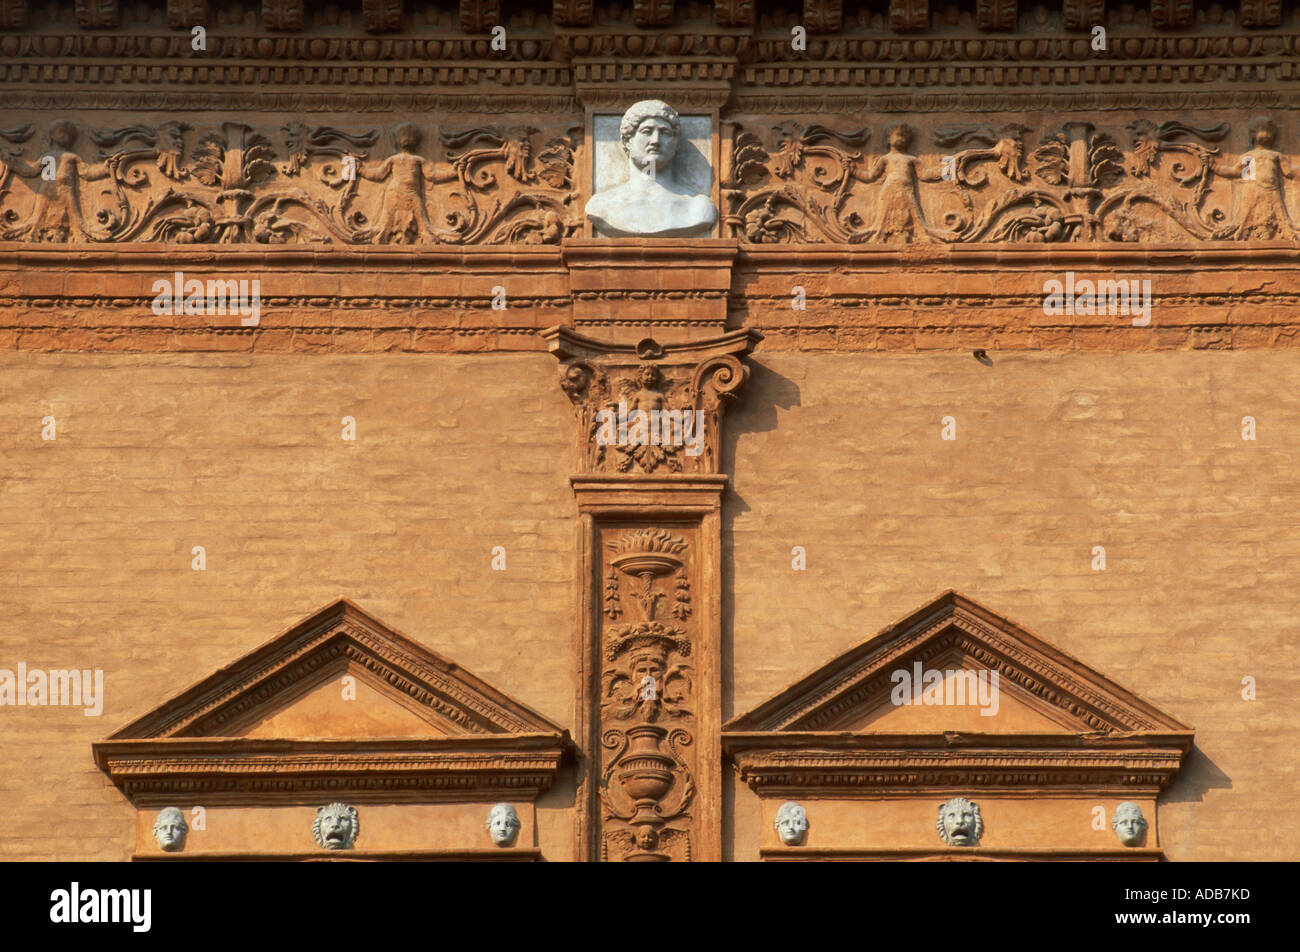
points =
(791, 823)
(336, 826)
(653, 202)
(170, 828)
(1129, 824)
(960, 823)
(503, 824)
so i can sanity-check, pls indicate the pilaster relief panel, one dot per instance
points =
(649, 497)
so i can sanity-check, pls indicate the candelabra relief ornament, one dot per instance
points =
(818, 184)
(494, 186)
(647, 784)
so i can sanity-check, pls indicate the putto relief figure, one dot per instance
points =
(58, 215)
(170, 828)
(960, 823)
(404, 215)
(1261, 212)
(1129, 824)
(503, 824)
(898, 216)
(653, 202)
(336, 826)
(791, 823)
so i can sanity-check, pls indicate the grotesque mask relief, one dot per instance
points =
(336, 827)
(791, 823)
(503, 824)
(1129, 824)
(656, 197)
(170, 828)
(960, 823)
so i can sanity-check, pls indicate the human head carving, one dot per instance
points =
(336, 826)
(791, 823)
(1129, 824)
(650, 131)
(170, 828)
(899, 135)
(503, 824)
(63, 133)
(1262, 131)
(407, 137)
(960, 823)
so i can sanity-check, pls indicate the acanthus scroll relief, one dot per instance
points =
(1151, 179)
(648, 722)
(174, 183)
(1175, 181)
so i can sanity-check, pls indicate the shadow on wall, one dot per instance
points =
(754, 412)
(1199, 774)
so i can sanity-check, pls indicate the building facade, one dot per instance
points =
(843, 430)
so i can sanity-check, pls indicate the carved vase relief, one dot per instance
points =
(648, 721)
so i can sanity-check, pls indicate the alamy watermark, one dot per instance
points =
(1113, 296)
(177, 295)
(56, 687)
(76, 905)
(683, 428)
(935, 687)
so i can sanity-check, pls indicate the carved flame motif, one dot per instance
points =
(647, 781)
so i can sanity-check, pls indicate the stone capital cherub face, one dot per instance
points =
(1129, 824)
(337, 826)
(791, 823)
(503, 824)
(170, 828)
(960, 823)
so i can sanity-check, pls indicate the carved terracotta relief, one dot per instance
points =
(174, 183)
(651, 625)
(1175, 181)
(647, 709)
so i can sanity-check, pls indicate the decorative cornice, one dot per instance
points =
(262, 772)
(779, 764)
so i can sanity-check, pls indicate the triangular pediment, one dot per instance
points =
(1040, 688)
(918, 706)
(291, 683)
(339, 703)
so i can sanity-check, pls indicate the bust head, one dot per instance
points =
(169, 829)
(960, 823)
(1129, 824)
(650, 132)
(791, 823)
(336, 827)
(503, 824)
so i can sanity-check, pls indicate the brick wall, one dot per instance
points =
(839, 453)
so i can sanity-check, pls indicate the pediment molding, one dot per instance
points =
(1110, 740)
(1058, 682)
(481, 743)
